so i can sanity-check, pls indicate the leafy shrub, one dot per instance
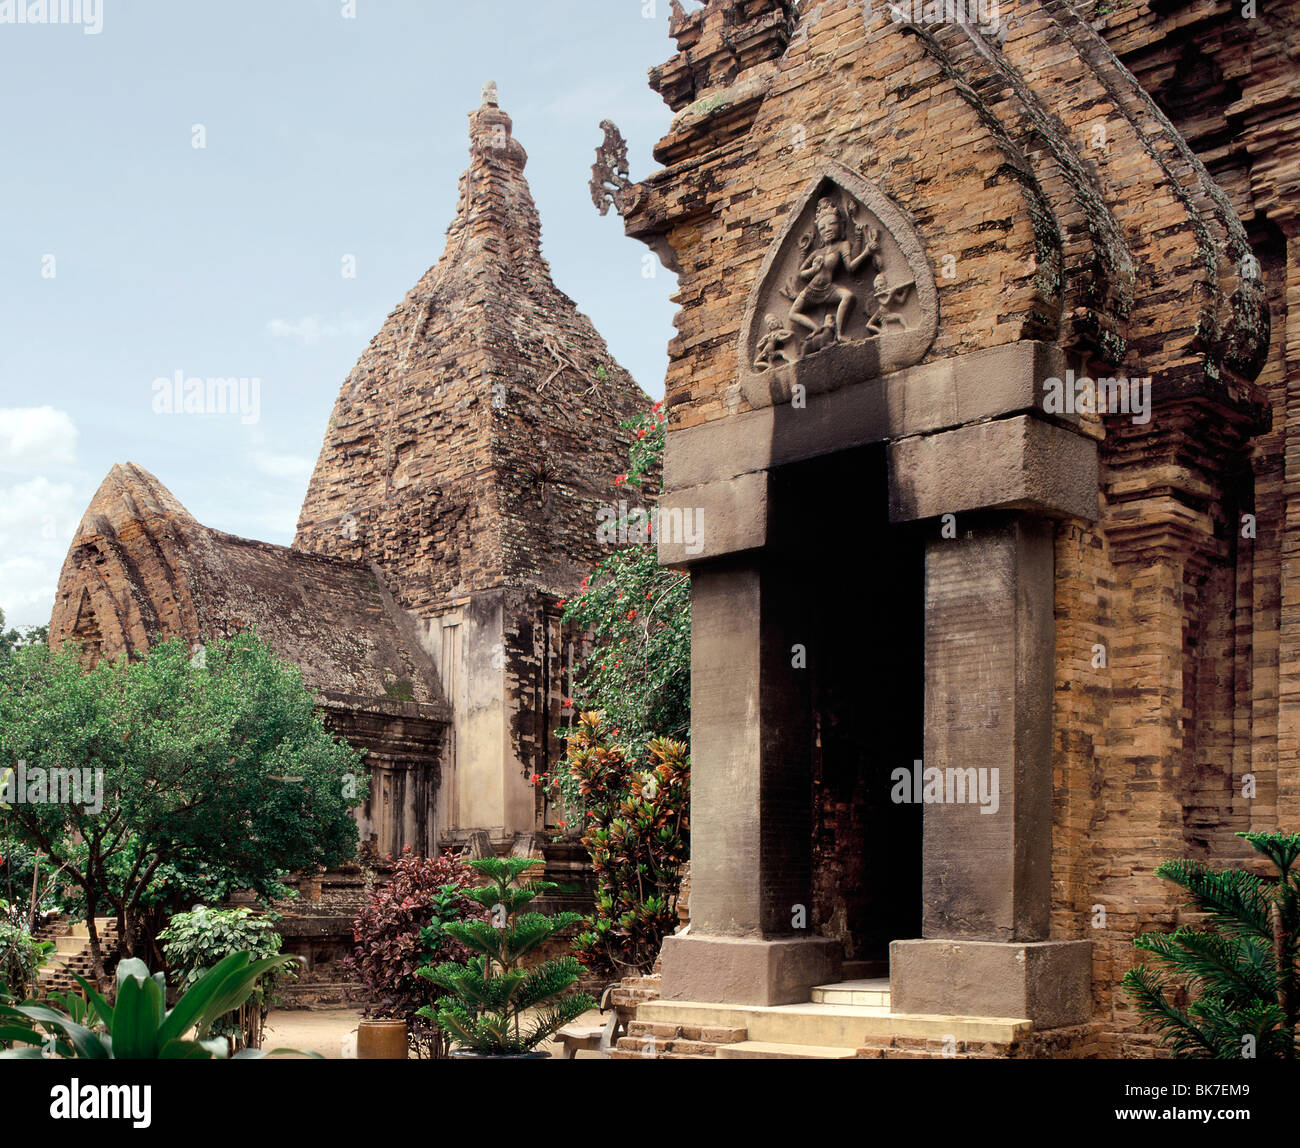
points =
(637, 832)
(1241, 974)
(137, 1026)
(486, 996)
(197, 941)
(404, 928)
(638, 615)
(21, 954)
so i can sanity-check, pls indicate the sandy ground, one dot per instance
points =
(324, 1030)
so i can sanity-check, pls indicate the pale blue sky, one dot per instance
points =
(325, 136)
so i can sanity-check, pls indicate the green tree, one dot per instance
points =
(1241, 974)
(489, 994)
(11, 639)
(216, 761)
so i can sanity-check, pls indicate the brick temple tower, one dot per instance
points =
(466, 455)
(452, 508)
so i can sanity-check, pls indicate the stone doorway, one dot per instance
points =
(865, 660)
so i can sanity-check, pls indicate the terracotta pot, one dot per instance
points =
(381, 1040)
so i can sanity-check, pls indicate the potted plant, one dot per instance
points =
(402, 928)
(489, 994)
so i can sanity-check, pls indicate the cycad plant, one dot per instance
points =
(1241, 975)
(489, 994)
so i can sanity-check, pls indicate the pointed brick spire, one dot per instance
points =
(473, 437)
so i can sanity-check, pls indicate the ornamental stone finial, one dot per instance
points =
(609, 174)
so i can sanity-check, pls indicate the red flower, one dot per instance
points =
(585, 582)
(649, 594)
(622, 478)
(568, 701)
(659, 405)
(631, 615)
(535, 779)
(560, 824)
(641, 433)
(561, 602)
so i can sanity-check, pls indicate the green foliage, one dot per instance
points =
(18, 867)
(216, 767)
(488, 995)
(196, 941)
(21, 954)
(637, 832)
(138, 1025)
(638, 615)
(1241, 975)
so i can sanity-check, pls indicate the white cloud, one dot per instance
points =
(34, 437)
(314, 328)
(37, 521)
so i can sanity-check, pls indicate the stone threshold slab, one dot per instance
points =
(840, 1026)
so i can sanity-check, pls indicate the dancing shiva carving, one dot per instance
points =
(847, 282)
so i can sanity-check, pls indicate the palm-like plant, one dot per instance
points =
(489, 994)
(138, 1025)
(1242, 974)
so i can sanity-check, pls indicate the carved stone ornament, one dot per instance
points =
(845, 294)
(609, 174)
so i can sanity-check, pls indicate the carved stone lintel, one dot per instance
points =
(846, 293)
(609, 174)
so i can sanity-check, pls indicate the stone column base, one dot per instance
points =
(1047, 982)
(721, 970)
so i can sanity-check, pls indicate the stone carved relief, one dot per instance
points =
(845, 294)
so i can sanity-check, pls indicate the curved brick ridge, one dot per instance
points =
(473, 438)
(142, 568)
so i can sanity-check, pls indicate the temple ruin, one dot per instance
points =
(901, 239)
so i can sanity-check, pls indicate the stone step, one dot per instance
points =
(103, 925)
(873, 992)
(774, 1050)
(830, 1025)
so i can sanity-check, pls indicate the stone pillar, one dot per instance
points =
(987, 771)
(750, 797)
(988, 720)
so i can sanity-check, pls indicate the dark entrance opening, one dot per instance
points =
(861, 605)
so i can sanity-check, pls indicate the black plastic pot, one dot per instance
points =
(467, 1054)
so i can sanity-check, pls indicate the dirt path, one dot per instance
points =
(324, 1030)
